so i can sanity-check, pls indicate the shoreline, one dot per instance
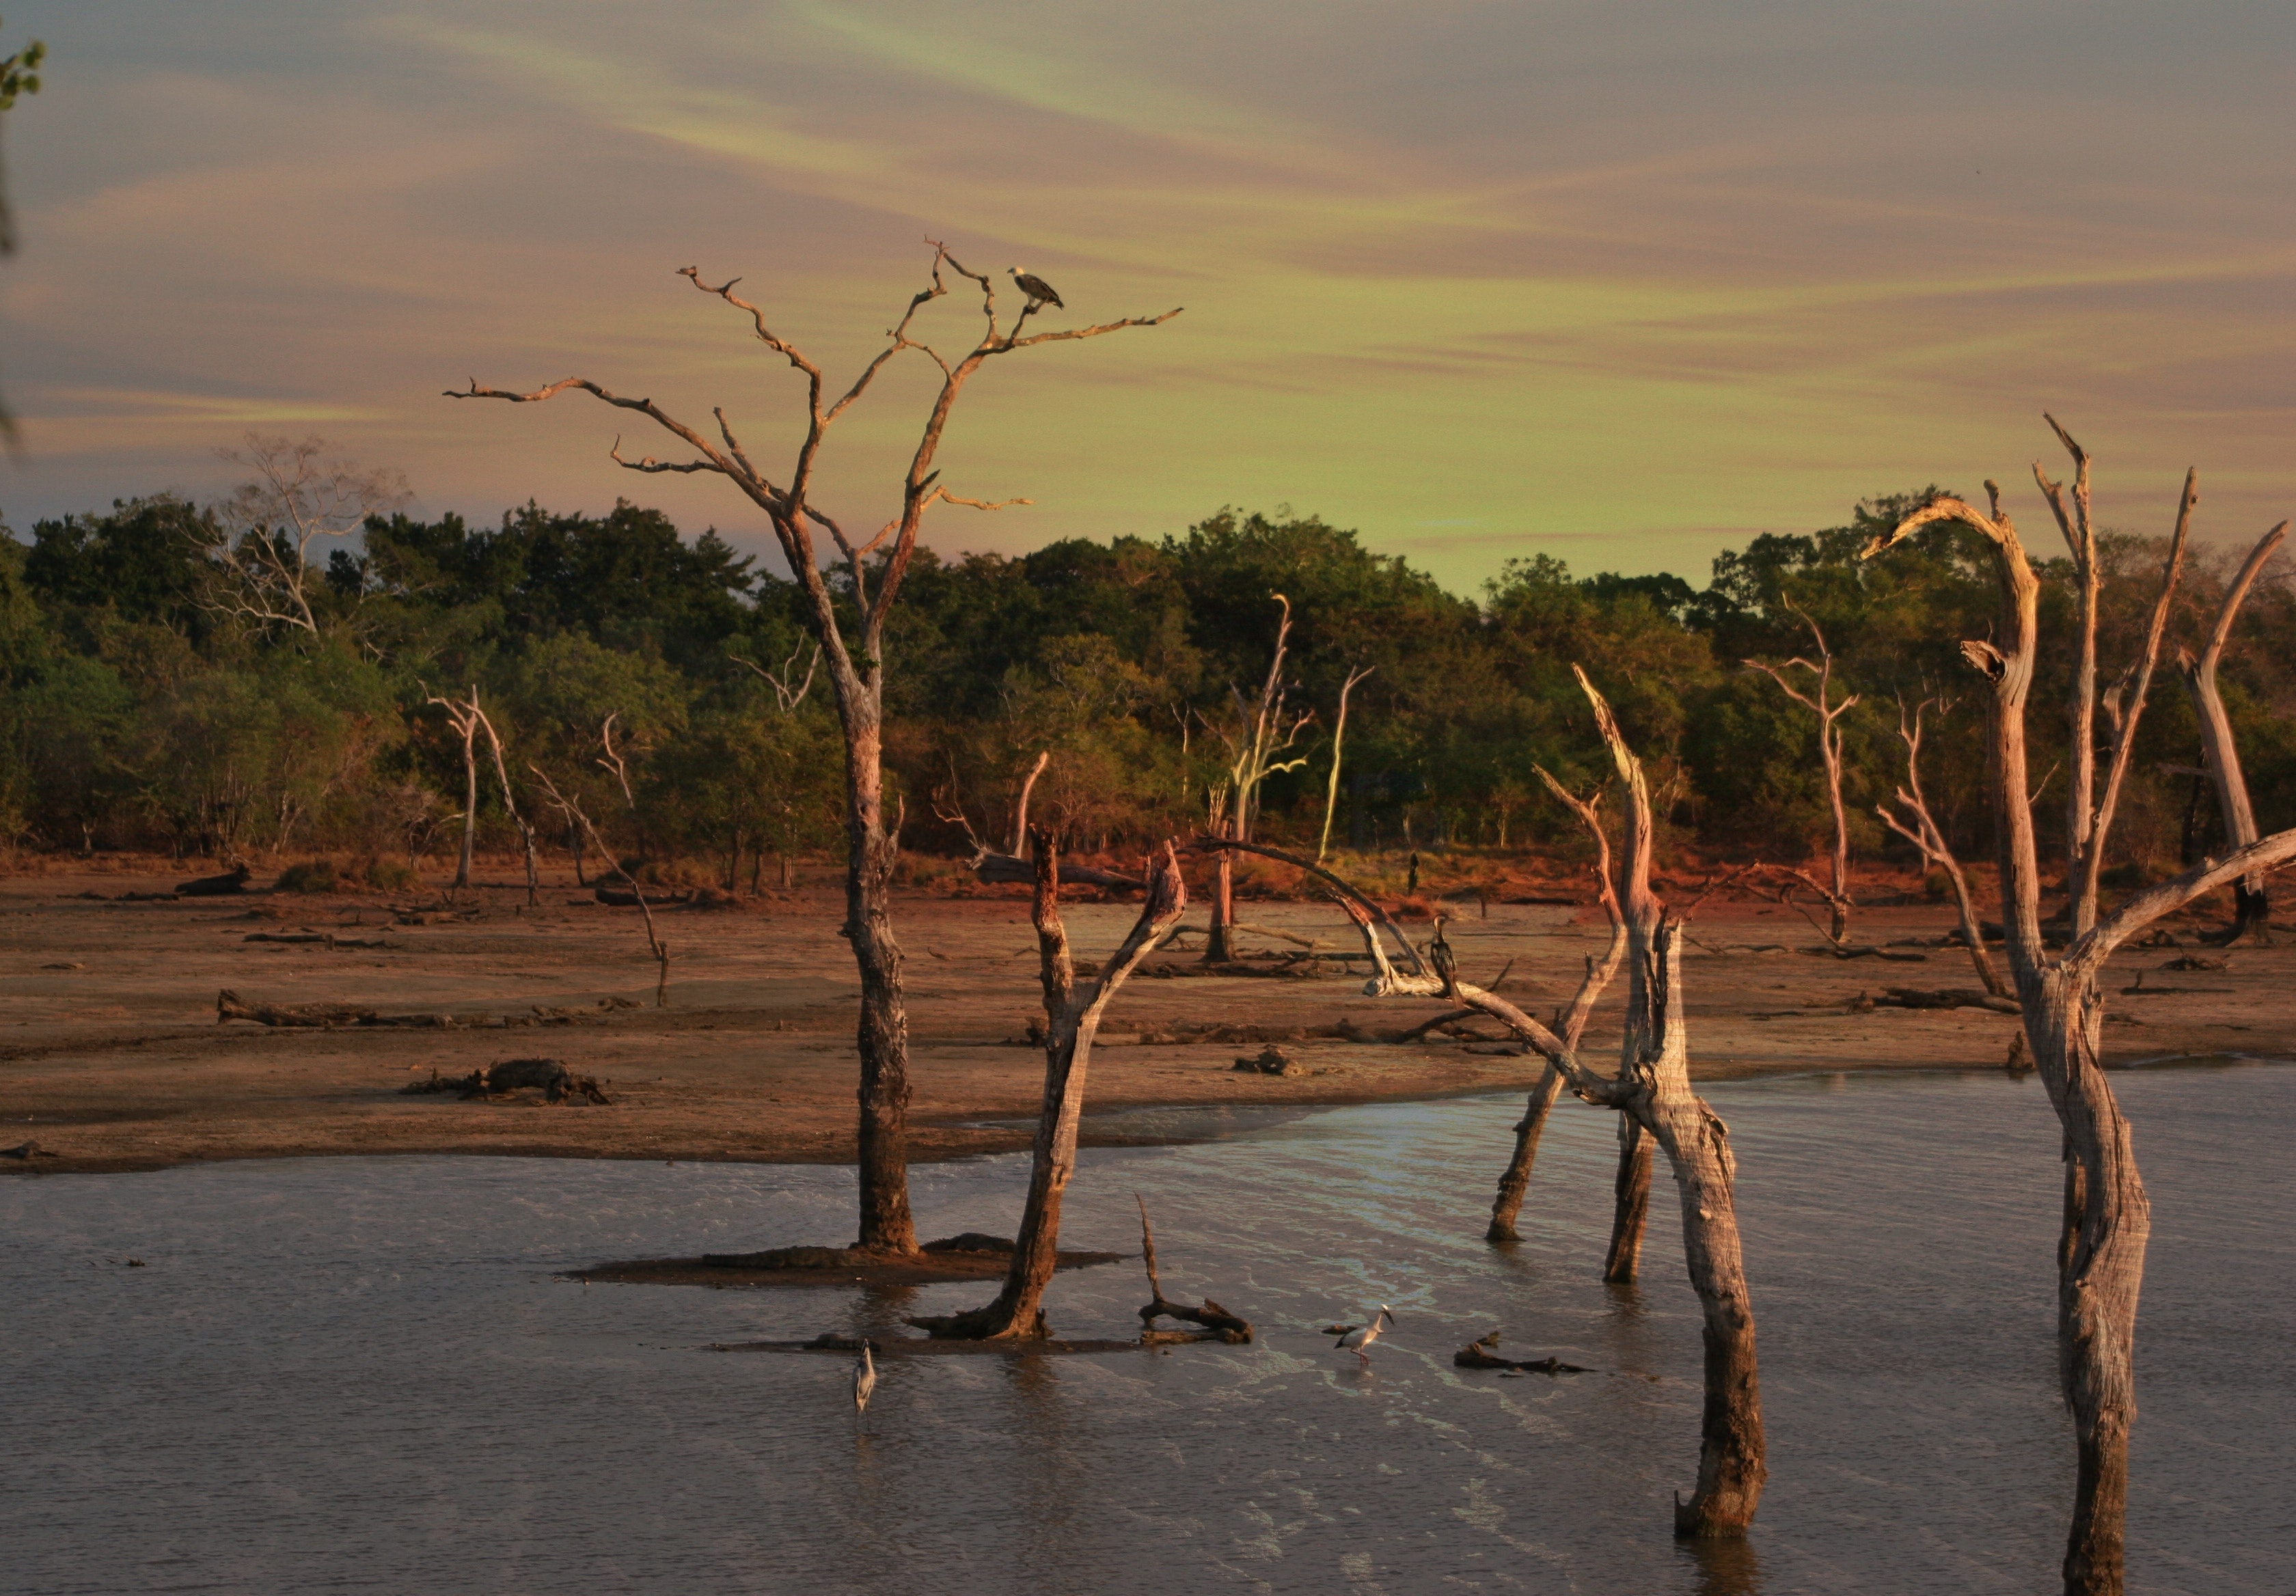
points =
(115, 1061)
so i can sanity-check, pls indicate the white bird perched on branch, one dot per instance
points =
(1359, 1339)
(1034, 287)
(865, 1379)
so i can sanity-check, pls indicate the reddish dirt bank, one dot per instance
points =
(111, 1059)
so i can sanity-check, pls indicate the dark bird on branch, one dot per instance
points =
(1438, 954)
(1038, 291)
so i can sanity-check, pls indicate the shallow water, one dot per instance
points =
(360, 1374)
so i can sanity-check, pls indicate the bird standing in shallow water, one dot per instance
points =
(865, 1379)
(1038, 291)
(1359, 1339)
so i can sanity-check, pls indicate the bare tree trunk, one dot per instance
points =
(2220, 753)
(1073, 1020)
(1829, 749)
(1332, 788)
(470, 803)
(1516, 1180)
(1732, 1453)
(882, 1038)
(1630, 1205)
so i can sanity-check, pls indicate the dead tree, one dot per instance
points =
(1339, 735)
(1516, 1182)
(857, 664)
(1652, 1087)
(510, 803)
(573, 814)
(1829, 752)
(1261, 732)
(464, 718)
(1071, 1020)
(2107, 1217)
(298, 494)
(991, 867)
(2252, 908)
(1925, 834)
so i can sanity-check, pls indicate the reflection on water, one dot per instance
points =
(361, 1372)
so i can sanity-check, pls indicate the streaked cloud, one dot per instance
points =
(1630, 280)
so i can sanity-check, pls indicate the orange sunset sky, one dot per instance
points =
(1624, 283)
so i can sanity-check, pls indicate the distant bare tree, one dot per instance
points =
(300, 493)
(2252, 908)
(855, 660)
(1264, 728)
(1920, 828)
(1829, 713)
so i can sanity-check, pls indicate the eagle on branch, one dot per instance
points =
(1039, 291)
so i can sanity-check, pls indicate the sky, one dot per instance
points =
(1625, 282)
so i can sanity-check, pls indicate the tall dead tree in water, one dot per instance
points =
(1071, 1020)
(2251, 907)
(1652, 1088)
(1829, 713)
(2107, 1218)
(856, 661)
(1516, 1180)
(1264, 728)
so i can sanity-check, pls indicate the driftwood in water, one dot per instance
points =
(550, 1076)
(234, 879)
(1481, 1354)
(1219, 1323)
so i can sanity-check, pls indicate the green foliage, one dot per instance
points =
(136, 715)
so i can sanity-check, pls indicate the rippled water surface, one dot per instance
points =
(360, 1374)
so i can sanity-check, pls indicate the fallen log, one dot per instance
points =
(1481, 1354)
(27, 1149)
(616, 897)
(232, 881)
(1219, 1323)
(229, 1005)
(550, 1076)
(1944, 997)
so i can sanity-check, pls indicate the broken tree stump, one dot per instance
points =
(1218, 1324)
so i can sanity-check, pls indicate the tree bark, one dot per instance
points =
(883, 1036)
(1630, 1205)
(1073, 1020)
(1516, 1180)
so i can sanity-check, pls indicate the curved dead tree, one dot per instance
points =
(2107, 1218)
(1071, 1020)
(855, 660)
(2252, 908)
(1651, 1088)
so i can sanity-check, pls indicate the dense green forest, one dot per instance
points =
(160, 698)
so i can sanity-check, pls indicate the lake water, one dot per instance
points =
(361, 1374)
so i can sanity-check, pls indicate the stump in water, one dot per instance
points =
(1219, 1323)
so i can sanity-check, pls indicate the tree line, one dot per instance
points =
(199, 681)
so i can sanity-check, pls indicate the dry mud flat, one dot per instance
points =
(111, 1057)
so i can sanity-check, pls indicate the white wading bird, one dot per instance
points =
(1038, 291)
(1359, 1339)
(865, 1379)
